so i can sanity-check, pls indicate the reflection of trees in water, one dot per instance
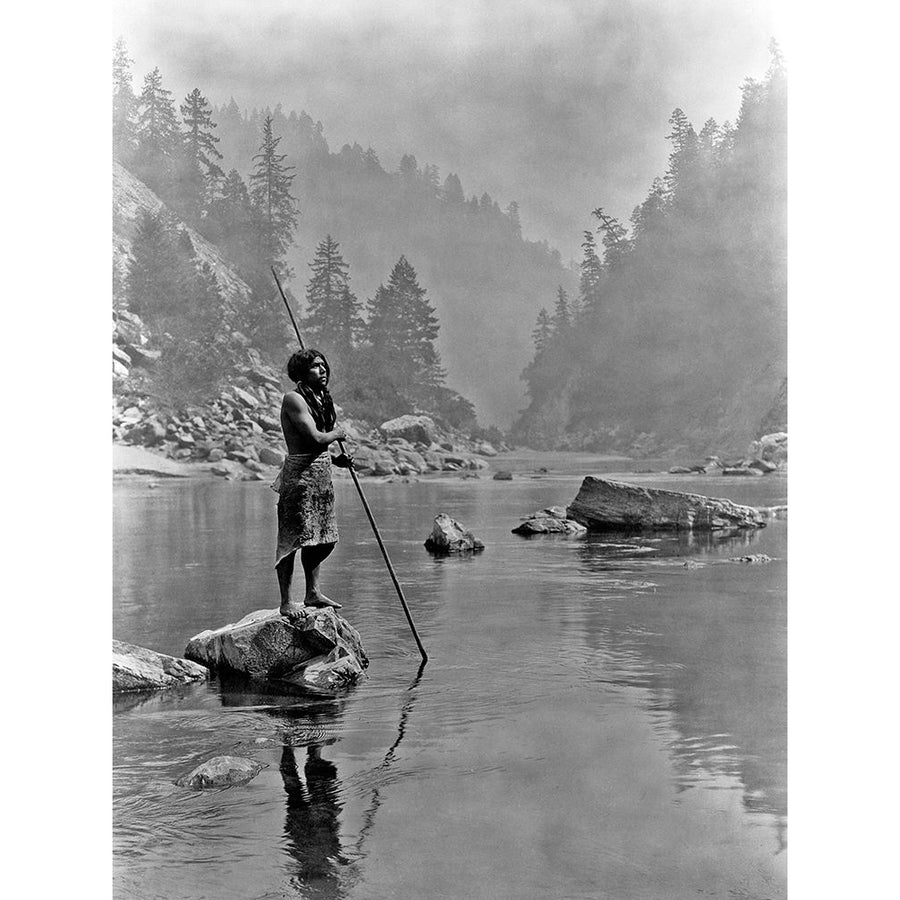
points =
(711, 651)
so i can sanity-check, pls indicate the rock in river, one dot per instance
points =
(551, 520)
(603, 505)
(320, 650)
(449, 536)
(221, 772)
(138, 669)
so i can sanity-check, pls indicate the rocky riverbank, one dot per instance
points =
(764, 456)
(237, 433)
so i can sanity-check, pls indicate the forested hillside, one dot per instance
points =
(265, 187)
(676, 336)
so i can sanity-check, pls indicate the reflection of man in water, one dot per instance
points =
(312, 825)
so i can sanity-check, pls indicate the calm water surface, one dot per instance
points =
(597, 719)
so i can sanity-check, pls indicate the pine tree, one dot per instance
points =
(273, 203)
(402, 332)
(229, 222)
(591, 276)
(683, 158)
(124, 105)
(512, 213)
(409, 169)
(199, 172)
(371, 161)
(649, 216)
(332, 321)
(452, 191)
(156, 277)
(614, 238)
(431, 178)
(158, 135)
(543, 331)
(562, 321)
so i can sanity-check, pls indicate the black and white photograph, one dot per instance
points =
(450, 449)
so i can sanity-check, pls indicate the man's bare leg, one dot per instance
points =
(285, 572)
(311, 558)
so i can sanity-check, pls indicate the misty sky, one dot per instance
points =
(561, 105)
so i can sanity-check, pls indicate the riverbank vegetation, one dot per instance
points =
(676, 334)
(668, 336)
(266, 190)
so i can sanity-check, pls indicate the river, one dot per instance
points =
(599, 718)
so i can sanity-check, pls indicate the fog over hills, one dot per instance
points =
(477, 140)
(560, 105)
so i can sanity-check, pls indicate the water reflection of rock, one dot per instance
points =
(602, 548)
(711, 650)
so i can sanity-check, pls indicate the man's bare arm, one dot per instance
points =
(298, 414)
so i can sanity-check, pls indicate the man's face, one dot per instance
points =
(317, 374)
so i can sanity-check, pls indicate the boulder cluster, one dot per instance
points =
(238, 432)
(413, 445)
(764, 456)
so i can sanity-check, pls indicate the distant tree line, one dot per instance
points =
(674, 313)
(383, 353)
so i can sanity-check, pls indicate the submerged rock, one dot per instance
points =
(319, 650)
(139, 669)
(221, 772)
(604, 505)
(449, 536)
(551, 520)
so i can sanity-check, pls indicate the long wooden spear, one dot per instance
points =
(362, 497)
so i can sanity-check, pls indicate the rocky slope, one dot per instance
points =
(130, 197)
(237, 431)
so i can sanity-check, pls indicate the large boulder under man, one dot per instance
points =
(306, 520)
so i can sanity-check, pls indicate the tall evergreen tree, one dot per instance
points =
(157, 275)
(591, 278)
(648, 217)
(402, 332)
(273, 203)
(683, 158)
(614, 238)
(543, 332)
(409, 169)
(199, 171)
(562, 320)
(452, 190)
(158, 135)
(124, 105)
(512, 213)
(431, 178)
(332, 321)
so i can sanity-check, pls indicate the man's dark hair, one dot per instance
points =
(301, 362)
(320, 405)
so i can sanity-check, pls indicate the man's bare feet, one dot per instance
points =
(319, 599)
(292, 610)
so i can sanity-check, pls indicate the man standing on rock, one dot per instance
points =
(305, 493)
